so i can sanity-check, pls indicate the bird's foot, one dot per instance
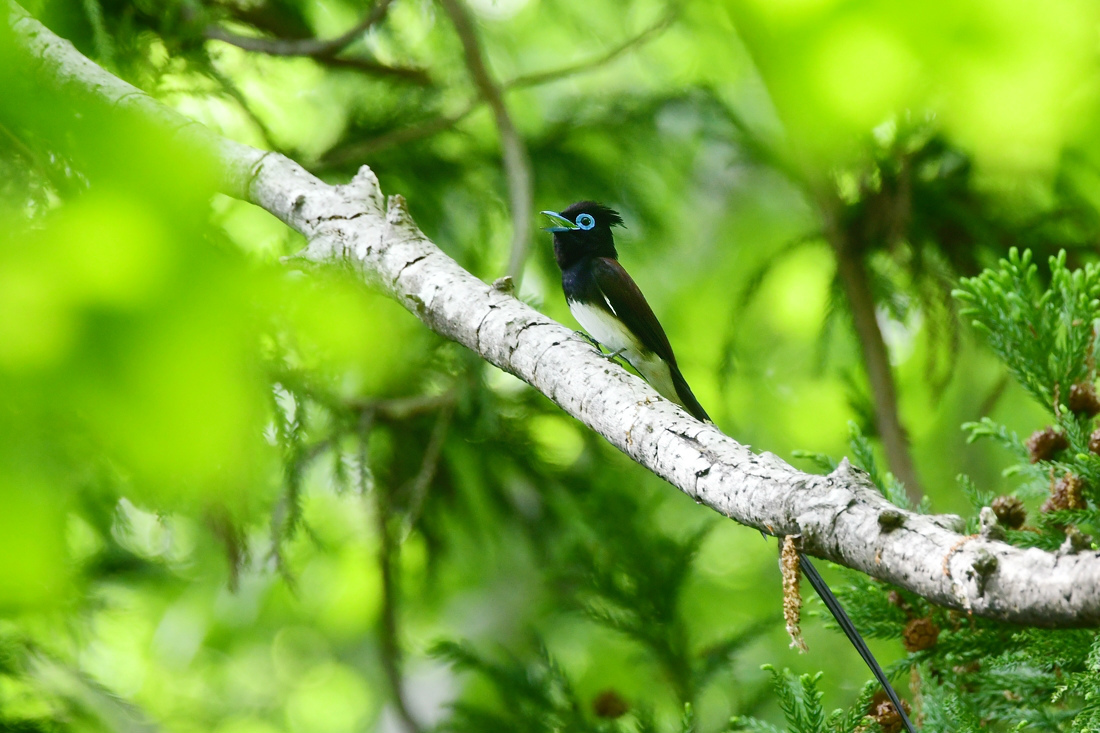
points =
(612, 356)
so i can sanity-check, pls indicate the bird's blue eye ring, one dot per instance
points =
(586, 221)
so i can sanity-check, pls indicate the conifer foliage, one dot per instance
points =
(965, 673)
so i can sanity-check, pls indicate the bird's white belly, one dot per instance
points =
(604, 327)
(614, 336)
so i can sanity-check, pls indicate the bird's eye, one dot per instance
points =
(586, 221)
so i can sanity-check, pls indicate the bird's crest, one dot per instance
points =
(604, 215)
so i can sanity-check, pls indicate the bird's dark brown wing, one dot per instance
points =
(630, 306)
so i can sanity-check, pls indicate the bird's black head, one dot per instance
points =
(583, 230)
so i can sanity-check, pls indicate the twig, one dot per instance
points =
(36, 160)
(410, 74)
(517, 166)
(234, 92)
(402, 408)
(388, 556)
(995, 393)
(81, 694)
(418, 488)
(26, 150)
(853, 278)
(286, 517)
(876, 361)
(324, 51)
(233, 538)
(545, 77)
(366, 424)
(314, 47)
(104, 46)
(852, 274)
(359, 151)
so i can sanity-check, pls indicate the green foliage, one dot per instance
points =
(1044, 335)
(990, 430)
(629, 580)
(239, 498)
(978, 674)
(534, 696)
(800, 701)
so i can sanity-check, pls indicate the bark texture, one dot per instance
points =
(840, 517)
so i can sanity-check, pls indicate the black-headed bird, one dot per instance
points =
(611, 308)
(609, 305)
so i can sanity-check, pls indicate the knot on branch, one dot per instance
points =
(853, 478)
(984, 566)
(991, 528)
(845, 471)
(397, 211)
(365, 186)
(1076, 541)
(505, 285)
(891, 519)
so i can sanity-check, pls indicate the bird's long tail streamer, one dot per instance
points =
(853, 635)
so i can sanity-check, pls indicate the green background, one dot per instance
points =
(193, 507)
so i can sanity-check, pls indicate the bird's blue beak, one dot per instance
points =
(563, 224)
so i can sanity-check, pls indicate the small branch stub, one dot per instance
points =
(990, 523)
(889, 520)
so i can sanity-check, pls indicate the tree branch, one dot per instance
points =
(303, 46)
(545, 77)
(840, 517)
(234, 93)
(429, 465)
(410, 74)
(389, 560)
(517, 166)
(323, 50)
(359, 151)
(876, 361)
(394, 409)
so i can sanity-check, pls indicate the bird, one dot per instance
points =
(610, 306)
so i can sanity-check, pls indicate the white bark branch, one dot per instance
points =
(841, 517)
